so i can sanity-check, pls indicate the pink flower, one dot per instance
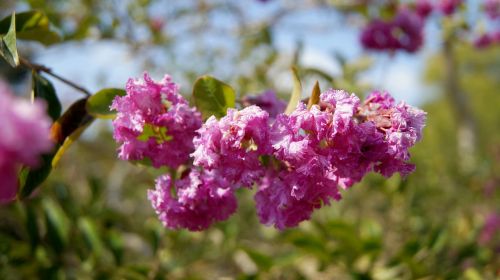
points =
(423, 8)
(331, 146)
(377, 35)
(487, 40)
(404, 32)
(448, 7)
(380, 100)
(286, 198)
(308, 160)
(298, 161)
(267, 101)
(490, 229)
(155, 122)
(25, 136)
(156, 24)
(492, 8)
(401, 126)
(233, 144)
(200, 199)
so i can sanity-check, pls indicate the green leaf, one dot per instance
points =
(296, 92)
(68, 141)
(91, 236)
(69, 127)
(74, 117)
(361, 64)
(43, 88)
(213, 97)
(262, 36)
(32, 227)
(115, 242)
(371, 236)
(387, 12)
(145, 162)
(309, 243)
(310, 71)
(472, 274)
(63, 133)
(99, 103)
(154, 234)
(31, 178)
(58, 224)
(33, 26)
(8, 48)
(346, 235)
(159, 133)
(264, 262)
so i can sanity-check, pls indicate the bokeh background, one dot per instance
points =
(91, 219)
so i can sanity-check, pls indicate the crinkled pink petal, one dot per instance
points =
(155, 122)
(233, 145)
(202, 198)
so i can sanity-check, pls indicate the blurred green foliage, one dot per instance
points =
(91, 219)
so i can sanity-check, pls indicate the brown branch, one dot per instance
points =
(48, 71)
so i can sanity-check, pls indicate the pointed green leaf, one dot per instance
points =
(74, 117)
(8, 48)
(296, 92)
(33, 26)
(46, 37)
(69, 127)
(91, 236)
(311, 71)
(361, 64)
(32, 227)
(115, 243)
(31, 178)
(309, 243)
(67, 143)
(43, 88)
(314, 98)
(58, 224)
(213, 97)
(98, 105)
(263, 261)
(145, 162)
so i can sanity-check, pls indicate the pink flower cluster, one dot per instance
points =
(233, 145)
(487, 40)
(403, 32)
(298, 162)
(153, 123)
(492, 8)
(201, 198)
(448, 7)
(423, 8)
(25, 136)
(491, 37)
(490, 230)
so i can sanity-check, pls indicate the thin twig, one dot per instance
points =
(48, 71)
